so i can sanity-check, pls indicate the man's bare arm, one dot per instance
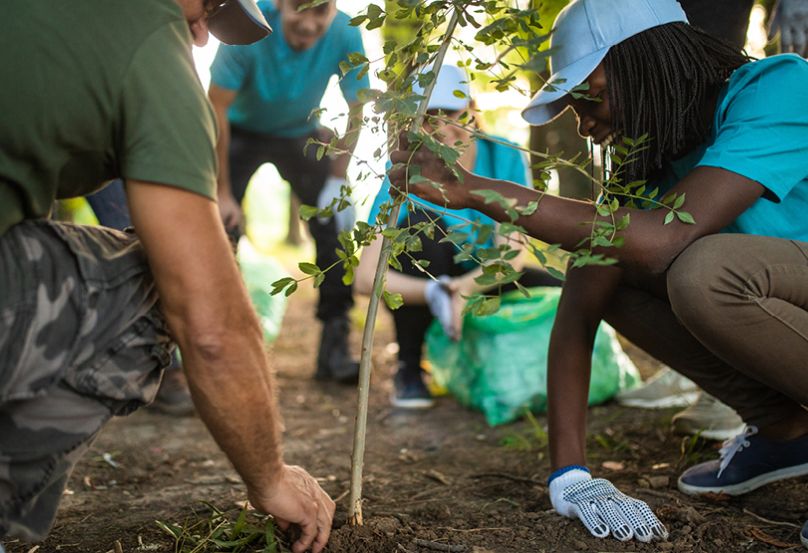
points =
(210, 316)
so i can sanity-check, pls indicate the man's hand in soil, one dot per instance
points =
(451, 193)
(298, 499)
(602, 508)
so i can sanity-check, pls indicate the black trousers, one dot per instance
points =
(306, 175)
(412, 321)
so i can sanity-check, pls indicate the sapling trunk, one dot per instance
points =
(360, 429)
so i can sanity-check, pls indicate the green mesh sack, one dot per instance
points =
(259, 271)
(499, 366)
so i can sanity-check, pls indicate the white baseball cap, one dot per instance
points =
(583, 33)
(238, 22)
(450, 78)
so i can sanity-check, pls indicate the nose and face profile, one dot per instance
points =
(593, 109)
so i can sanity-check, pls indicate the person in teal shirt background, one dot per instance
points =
(426, 299)
(263, 95)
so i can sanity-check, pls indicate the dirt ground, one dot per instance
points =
(439, 480)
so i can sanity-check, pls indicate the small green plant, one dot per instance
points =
(611, 444)
(531, 439)
(694, 449)
(219, 531)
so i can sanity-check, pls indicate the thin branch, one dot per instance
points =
(360, 431)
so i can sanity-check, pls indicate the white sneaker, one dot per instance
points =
(710, 418)
(666, 388)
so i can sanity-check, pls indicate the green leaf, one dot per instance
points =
(685, 217)
(669, 217)
(279, 285)
(292, 288)
(306, 212)
(358, 20)
(488, 306)
(393, 301)
(506, 229)
(458, 94)
(356, 58)
(556, 273)
(349, 274)
(680, 201)
(601, 242)
(529, 209)
(484, 234)
(309, 268)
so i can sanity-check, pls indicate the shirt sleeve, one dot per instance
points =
(762, 133)
(167, 132)
(350, 84)
(230, 66)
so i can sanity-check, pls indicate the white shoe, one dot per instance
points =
(666, 388)
(709, 418)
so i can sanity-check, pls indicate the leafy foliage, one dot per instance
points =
(218, 531)
(414, 32)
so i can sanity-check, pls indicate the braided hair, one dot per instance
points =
(663, 82)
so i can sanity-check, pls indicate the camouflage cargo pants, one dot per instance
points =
(81, 340)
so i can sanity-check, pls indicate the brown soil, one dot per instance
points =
(432, 479)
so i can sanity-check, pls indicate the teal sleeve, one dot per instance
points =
(762, 131)
(230, 66)
(350, 84)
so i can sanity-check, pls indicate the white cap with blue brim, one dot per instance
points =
(583, 33)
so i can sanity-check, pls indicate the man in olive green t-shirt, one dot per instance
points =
(96, 90)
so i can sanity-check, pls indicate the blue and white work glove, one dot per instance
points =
(601, 507)
(330, 196)
(791, 21)
(439, 300)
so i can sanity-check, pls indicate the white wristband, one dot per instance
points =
(561, 483)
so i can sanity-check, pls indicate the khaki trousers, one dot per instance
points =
(731, 315)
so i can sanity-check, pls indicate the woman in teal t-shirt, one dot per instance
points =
(425, 298)
(720, 293)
